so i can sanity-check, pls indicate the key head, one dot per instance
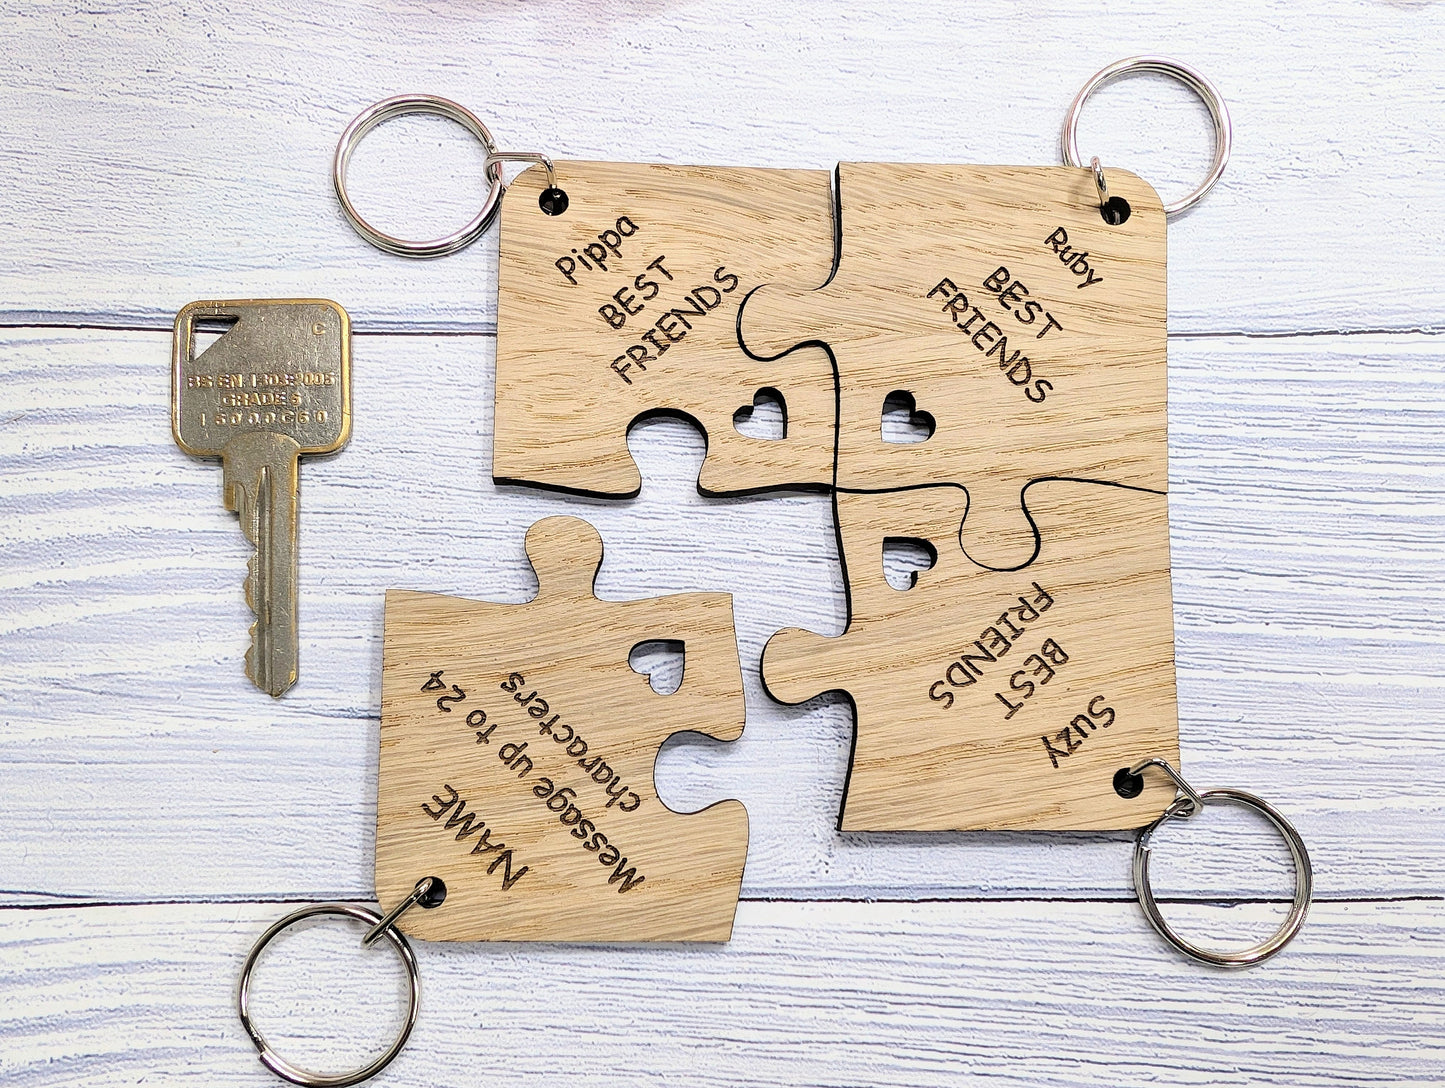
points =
(280, 366)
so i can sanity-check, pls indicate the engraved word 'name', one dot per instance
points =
(469, 823)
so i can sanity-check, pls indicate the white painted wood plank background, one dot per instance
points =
(159, 151)
(155, 153)
(1307, 545)
(882, 995)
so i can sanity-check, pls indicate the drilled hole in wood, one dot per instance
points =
(436, 895)
(1115, 211)
(903, 423)
(904, 558)
(766, 418)
(1126, 785)
(662, 661)
(553, 201)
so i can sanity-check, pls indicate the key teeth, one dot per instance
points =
(251, 657)
(249, 586)
(260, 486)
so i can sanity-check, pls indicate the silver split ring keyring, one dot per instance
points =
(1183, 807)
(374, 921)
(1195, 81)
(403, 105)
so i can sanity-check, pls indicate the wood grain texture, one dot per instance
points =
(882, 995)
(489, 713)
(1025, 331)
(598, 327)
(160, 153)
(1307, 523)
(999, 699)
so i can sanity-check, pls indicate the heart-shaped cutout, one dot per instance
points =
(662, 661)
(766, 418)
(903, 422)
(905, 558)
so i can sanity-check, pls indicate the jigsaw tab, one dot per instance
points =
(625, 305)
(990, 699)
(1029, 332)
(517, 753)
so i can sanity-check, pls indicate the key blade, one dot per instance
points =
(260, 482)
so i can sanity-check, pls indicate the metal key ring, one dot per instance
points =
(284, 1069)
(1184, 807)
(399, 106)
(1195, 81)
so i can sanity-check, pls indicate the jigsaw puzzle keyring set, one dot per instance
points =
(514, 752)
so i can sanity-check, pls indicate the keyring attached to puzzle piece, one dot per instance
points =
(1128, 782)
(556, 200)
(593, 255)
(1197, 82)
(1190, 803)
(378, 926)
(515, 798)
(404, 105)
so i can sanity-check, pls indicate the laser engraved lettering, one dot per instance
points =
(469, 824)
(1097, 716)
(574, 745)
(988, 338)
(562, 801)
(1075, 260)
(993, 642)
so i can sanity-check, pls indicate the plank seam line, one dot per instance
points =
(1223, 901)
(488, 331)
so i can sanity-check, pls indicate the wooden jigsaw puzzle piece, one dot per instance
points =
(1027, 334)
(517, 753)
(999, 699)
(625, 306)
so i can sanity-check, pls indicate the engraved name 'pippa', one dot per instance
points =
(469, 823)
(596, 254)
(993, 643)
(669, 321)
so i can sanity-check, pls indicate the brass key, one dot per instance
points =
(276, 385)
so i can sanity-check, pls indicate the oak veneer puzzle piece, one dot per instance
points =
(625, 305)
(1028, 332)
(517, 752)
(999, 699)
